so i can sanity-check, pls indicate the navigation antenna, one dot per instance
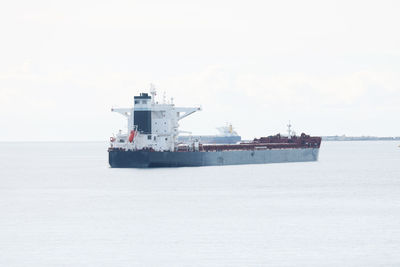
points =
(289, 130)
(153, 92)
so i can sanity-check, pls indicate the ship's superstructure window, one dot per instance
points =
(137, 101)
(142, 118)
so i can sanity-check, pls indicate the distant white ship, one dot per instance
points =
(226, 135)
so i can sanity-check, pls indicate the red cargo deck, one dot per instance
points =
(270, 142)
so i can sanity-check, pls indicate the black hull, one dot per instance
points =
(148, 159)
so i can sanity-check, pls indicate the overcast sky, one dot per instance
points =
(331, 67)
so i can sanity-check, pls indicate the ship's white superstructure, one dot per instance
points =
(227, 131)
(151, 125)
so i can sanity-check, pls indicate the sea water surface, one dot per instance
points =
(61, 205)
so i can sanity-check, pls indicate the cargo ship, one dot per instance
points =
(151, 141)
(226, 135)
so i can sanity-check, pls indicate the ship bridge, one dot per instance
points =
(154, 126)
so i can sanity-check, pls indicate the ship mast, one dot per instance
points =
(153, 93)
(289, 130)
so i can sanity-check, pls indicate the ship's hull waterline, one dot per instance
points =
(149, 159)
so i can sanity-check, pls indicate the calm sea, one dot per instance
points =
(61, 205)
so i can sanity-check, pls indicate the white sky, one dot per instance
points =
(331, 67)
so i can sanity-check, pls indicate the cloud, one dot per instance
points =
(210, 86)
(71, 99)
(216, 82)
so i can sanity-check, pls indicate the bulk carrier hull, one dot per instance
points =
(148, 159)
(152, 141)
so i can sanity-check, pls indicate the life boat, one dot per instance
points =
(131, 136)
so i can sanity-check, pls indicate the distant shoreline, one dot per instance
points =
(359, 138)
